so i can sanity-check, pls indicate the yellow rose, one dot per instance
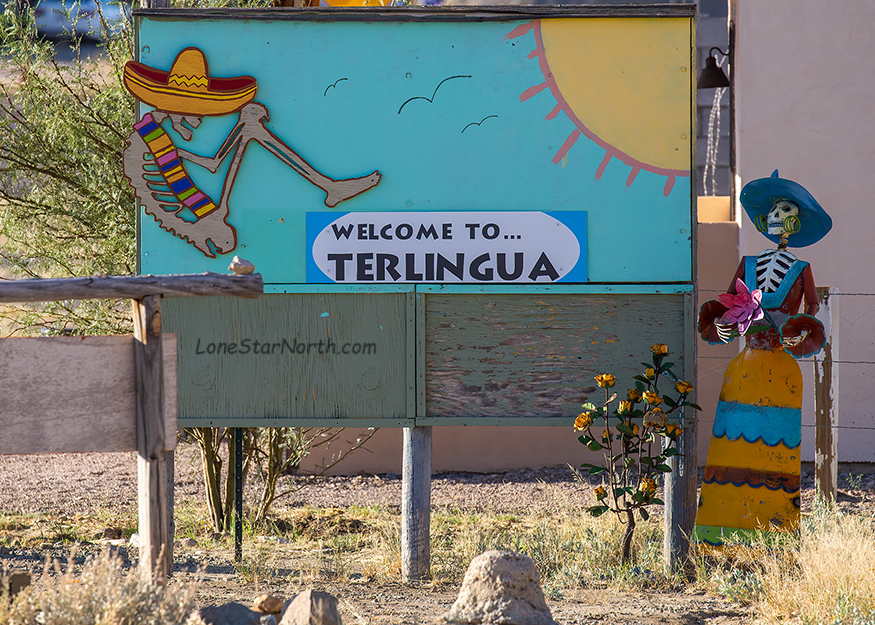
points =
(652, 398)
(649, 373)
(683, 387)
(673, 429)
(583, 421)
(600, 493)
(625, 407)
(647, 486)
(635, 429)
(605, 380)
(660, 349)
(634, 395)
(654, 418)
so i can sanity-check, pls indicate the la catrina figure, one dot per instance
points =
(752, 474)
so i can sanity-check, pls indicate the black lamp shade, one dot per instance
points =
(712, 76)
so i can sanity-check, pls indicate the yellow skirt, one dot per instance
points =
(752, 473)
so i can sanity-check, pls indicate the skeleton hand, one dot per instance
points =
(724, 331)
(793, 341)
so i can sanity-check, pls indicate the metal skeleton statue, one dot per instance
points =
(752, 475)
(156, 167)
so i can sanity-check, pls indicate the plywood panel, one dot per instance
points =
(75, 394)
(535, 355)
(293, 359)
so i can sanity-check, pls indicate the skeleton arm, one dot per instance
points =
(231, 144)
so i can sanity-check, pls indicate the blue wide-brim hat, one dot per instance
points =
(759, 195)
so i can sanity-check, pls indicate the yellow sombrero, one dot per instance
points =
(188, 88)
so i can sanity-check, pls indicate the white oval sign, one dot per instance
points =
(477, 247)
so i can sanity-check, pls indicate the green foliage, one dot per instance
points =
(633, 455)
(65, 206)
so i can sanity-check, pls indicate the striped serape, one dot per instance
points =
(170, 165)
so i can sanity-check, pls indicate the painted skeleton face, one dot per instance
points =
(780, 211)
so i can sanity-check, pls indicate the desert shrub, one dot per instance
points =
(100, 593)
(65, 206)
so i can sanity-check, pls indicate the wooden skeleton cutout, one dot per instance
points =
(156, 167)
(209, 231)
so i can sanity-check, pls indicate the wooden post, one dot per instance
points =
(826, 398)
(681, 484)
(155, 561)
(680, 497)
(170, 474)
(416, 505)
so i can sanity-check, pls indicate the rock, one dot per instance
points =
(15, 582)
(241, 266)
(112, 533)
(189, 542)
(312, 607)
(500, 587)
(266, 604)
(268, 619)
(134, 541)
(227, 614)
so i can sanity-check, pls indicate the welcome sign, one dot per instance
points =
(459, 213)
(476, 247)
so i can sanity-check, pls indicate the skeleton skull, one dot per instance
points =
(781, 209)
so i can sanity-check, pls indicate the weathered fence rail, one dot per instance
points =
(130, 287)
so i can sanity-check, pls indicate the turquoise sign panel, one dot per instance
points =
(252, 124)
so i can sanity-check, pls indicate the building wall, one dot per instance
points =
(805, 99)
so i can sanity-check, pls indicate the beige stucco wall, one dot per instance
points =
(487, 449)
(805, 99)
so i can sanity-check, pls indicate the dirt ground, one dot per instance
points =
(66, 486)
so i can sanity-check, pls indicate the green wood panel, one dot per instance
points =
(512, 356)
(301, 359)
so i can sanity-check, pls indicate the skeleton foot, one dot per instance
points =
(340, 190)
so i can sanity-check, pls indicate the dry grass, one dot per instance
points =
(823, 574)
(99, 593)
(570, 548)
(827, 575)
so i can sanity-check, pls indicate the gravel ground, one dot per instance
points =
(65, 484)
(76, 484)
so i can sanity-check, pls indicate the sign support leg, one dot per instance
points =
(238, 494)
(416, 505)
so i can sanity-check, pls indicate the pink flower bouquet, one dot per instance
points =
(743, 307)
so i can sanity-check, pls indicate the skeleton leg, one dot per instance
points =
(253, 117)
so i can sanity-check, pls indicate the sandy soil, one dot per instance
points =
(64, 485)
